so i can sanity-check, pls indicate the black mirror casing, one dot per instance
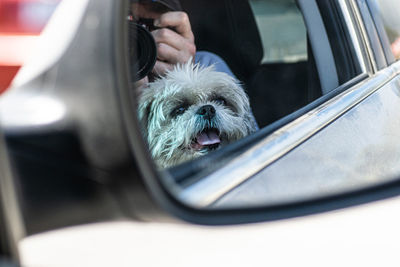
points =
(66, 139)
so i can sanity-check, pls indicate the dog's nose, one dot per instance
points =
(207, 111)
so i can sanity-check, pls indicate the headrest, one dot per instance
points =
(228, 29)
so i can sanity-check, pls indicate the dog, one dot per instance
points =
(191, 111)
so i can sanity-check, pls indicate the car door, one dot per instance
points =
(340, 141)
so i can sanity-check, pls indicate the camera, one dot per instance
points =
(147, 23)
(142, 49)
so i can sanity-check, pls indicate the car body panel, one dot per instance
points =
(365, 235)
(257, 157)
(258, 177)
(358, 150)
(281, 168)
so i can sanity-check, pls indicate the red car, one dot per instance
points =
(21, 21)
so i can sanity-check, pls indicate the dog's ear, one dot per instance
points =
(144, 109)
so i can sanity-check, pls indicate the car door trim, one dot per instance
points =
(373, 46)
(353, 34)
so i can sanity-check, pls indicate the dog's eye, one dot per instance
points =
(220, 101)
(178, 111)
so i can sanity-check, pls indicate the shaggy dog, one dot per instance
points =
(191, 111)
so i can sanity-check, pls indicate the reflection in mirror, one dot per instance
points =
(192, 102)
(388, 19)
(195, 100)
(192, 111)
(214, 85)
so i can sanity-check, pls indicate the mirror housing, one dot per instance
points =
(75, 146)
(62, 119)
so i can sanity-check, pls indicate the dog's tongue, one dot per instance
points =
(208, 138)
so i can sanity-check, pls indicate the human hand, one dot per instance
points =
(395, 47)
(174, 39)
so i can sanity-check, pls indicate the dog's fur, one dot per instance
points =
(189, 104)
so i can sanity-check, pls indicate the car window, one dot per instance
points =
(282, 30)
(285, 78)
(273, 64)
(265, 45)
(387, 19)
(275, 60)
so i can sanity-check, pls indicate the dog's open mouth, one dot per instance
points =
(206, 140)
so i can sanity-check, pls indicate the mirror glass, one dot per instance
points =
(207, 87)
(221, 109)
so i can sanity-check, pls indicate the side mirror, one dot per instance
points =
(77, 153)
(62, 118)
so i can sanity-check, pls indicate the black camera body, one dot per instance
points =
(147, 23)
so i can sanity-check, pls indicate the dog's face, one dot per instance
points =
(192, 111)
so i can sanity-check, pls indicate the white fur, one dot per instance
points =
(170, 137)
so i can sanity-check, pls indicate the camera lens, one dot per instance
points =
(142, 51)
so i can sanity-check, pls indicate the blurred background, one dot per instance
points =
(21, 22)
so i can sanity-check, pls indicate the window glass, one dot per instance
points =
(285, 79)
(389, 14)
(282, 30)
(267, 67)
(261, 45)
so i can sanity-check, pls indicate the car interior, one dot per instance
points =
(275, 88)
(282, 83)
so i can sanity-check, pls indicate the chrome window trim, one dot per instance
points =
(364, 36)
(353, 35)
